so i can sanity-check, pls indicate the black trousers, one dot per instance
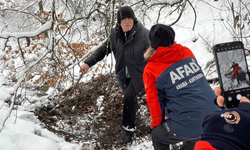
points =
(163, 137)
(130, 106)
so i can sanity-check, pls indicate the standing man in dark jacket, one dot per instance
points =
(128, 41)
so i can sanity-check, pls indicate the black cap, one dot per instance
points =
(125, 12)
(161, 35)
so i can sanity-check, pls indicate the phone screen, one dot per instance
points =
(233, 72)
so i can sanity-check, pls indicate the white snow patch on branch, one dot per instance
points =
(40, 30)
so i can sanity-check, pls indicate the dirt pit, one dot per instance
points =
(92, 115)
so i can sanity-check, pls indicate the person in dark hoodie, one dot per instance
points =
(128, 42)
(226, 129)
(177, 92)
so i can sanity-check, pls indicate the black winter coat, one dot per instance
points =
(127, 53)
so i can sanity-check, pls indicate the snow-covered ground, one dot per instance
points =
(23, 131)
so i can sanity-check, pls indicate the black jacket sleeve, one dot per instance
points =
(99, 54)
(244, 106)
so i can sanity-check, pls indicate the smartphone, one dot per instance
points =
(232, 71)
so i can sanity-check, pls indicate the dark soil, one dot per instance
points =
(79, 119)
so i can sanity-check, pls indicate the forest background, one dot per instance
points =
(46, 103)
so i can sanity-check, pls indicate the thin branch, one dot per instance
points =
(47, 26)
(20, 49)
(183, 7)
(24, 12)
(71, 91)
(234, 18)
(16, 87)
(205, 41)
(195, 15)
(159, 14)
(88, 53)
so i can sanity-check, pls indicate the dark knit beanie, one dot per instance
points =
(228, 129)
(161, 35)
(125, 12)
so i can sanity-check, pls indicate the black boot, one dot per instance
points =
(126, 137)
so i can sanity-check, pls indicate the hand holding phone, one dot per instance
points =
(232, 71)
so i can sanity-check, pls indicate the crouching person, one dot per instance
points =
(175, 84)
